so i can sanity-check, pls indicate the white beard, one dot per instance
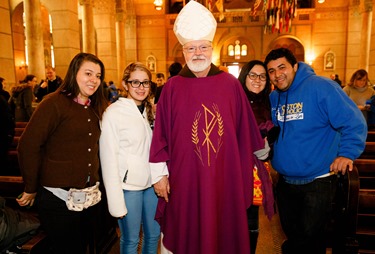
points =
(198, 66)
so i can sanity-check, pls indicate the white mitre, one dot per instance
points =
(194, 22)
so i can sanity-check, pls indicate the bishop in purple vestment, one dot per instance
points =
(206, 132)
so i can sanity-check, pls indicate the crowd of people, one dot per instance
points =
(194, 171)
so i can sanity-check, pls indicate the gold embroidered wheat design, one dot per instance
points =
(220, 130)
(194, 135)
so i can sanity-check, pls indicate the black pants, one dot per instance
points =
(68, 232)
(305, 211)
(253, 224)
(4, 160)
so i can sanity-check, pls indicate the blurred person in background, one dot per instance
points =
(160, 81)
(360, 91)
(22, 99)
(3, 92)
(7, 125)
(47, 85)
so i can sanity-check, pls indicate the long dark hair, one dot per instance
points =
(1, 83)
(28, 78)
(261, 106)
(147, 102)
(243, 75)
(70, 87)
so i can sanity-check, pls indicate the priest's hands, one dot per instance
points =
(162, 188)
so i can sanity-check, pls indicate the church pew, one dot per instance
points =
(21, 124)
(342, 230)
(369, 152)
(104, 236)
(366, 205)
(366, 169)
(14, 169)
(10, 188)
(18, 131)
(14, 144)
(371, 136)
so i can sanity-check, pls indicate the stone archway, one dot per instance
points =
(224, 54)
(177, 55)
(234, 63)
(290, 42)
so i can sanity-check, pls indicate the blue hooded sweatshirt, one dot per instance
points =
(318, 122)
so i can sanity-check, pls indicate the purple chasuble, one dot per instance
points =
(206, 131)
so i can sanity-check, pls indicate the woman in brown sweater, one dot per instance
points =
(58, 151)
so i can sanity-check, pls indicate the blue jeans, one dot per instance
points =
(305, 211)
(141, 207)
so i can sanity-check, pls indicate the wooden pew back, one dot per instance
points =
(371, 136)
(366, 205)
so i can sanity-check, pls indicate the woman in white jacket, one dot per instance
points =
(124, 152)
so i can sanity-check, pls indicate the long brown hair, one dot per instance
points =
(147, 101)
(70, 87)
(359, 74)
(261, 106)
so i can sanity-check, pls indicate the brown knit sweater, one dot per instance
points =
(59, 147)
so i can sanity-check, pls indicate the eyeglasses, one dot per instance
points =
(193, 49)
(254, 76)
(137, 83)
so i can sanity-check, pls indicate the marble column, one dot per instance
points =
(7, 62)
(66, 33)
(105, 26)
(131, 32)
(364, 57)
(88, 30)
(120, 44)
(371, 68)
(34, 38)
(353, 47)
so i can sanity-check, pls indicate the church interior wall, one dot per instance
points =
(6, 40)
(131, 39)
(152, 41)
(65, 34)
(335, 26)
(330, 34)
(372, 45)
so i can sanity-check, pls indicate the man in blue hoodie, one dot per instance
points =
(321, 133)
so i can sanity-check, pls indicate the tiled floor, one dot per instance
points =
(269, 241)
(271, 235)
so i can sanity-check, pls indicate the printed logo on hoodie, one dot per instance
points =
(294, 111)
